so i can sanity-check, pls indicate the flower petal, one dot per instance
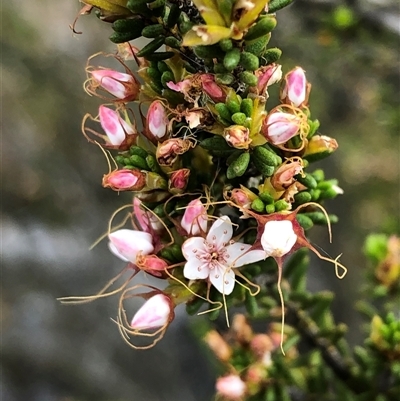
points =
(220, 232)
(192, 246)
(196, 269)
(278, 238)
(238, 254)
(223, 280)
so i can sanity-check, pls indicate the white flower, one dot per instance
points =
(214, 258)
(278, 238)
(126, 244)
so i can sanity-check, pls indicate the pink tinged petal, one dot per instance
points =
(194, 220)
(220, 232)
(278, 238)
(182, 86)
(267, 76)
(113, 125)
(153, 314)
(112, 82)
(157, 120)
(296, 86)
(238, 254)
(279, 127)
(231, 387)
(222, 279)
(141, 215)
(192, 247)
(196, 269)
(126, 244)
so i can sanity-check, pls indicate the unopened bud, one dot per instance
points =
(123, 86)
(128, 244)
(278, 127)
(295, 89)
(116, 129)
(151, 264)
(157, 121)
(194, 220)
(178, 180)
(156, 312)
(212, 89)
(124, 180)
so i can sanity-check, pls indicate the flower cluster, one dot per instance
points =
(217, 173)
(248, 356)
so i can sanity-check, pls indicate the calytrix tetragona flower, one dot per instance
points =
(215, 256)
(295, 89)
(215, 91)
(178, 180)
(155, 313)
(125, 87)
(278, 238)
(151, 320)
(157, 121)
(114, 126)
(124, 180)
(267, 76)
(237, 136)
(127, 244)
(194, 220)
(279, 127)
(120, 132)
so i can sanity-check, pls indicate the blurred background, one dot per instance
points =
(54, 208)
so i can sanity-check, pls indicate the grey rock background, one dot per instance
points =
(53, 206)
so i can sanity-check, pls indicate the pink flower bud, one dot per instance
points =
(278, 127)
(237, 136)
(267, 76)
(147, 221)
(178, 180)
(157, 121)
(151, 264)
(127, 244)
(295, 89)
(114, 126)
(231, 387)
(261, 344)
(242, 197)
(212, 89)
(194, 220)
(123, 86)
(124, 180)
(278, 238)
(156, 312)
